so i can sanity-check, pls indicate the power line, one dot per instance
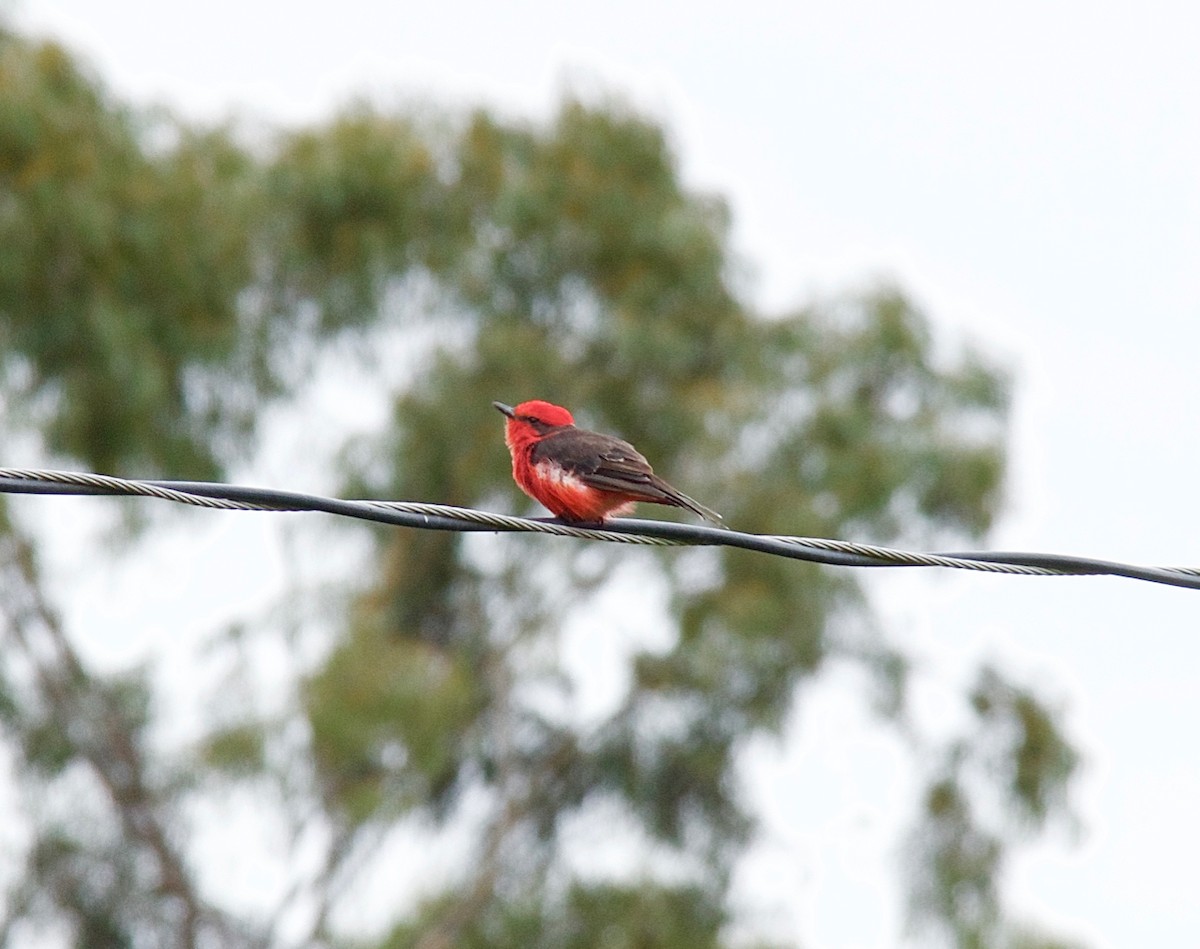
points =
(416, 514)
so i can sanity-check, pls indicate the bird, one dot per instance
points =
(582, 477)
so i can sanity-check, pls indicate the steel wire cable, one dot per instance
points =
(428, 516)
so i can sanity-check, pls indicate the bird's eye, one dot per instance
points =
(540, 425)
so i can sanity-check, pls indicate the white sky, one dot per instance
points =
(1031, 173)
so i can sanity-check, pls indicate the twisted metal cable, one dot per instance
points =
(421, 515)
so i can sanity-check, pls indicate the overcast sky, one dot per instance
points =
(1030, 173)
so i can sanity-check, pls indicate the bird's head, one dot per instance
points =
(539, 415)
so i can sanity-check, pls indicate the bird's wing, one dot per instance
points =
(599, 461)
(608, 463)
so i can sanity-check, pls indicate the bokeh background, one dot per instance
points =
(1025, 177)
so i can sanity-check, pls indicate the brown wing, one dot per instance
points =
(611, 464)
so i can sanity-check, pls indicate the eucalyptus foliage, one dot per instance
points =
(162, 286)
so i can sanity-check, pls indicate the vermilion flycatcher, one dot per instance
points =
(579, 475)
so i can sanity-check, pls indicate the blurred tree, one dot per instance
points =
(127, 248)
(158, 284)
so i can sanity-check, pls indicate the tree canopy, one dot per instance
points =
(162, 286)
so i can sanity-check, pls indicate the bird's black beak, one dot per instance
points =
(506, 409)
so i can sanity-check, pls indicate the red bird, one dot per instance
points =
(582, 476)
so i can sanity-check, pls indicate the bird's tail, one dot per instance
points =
(696, 507)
